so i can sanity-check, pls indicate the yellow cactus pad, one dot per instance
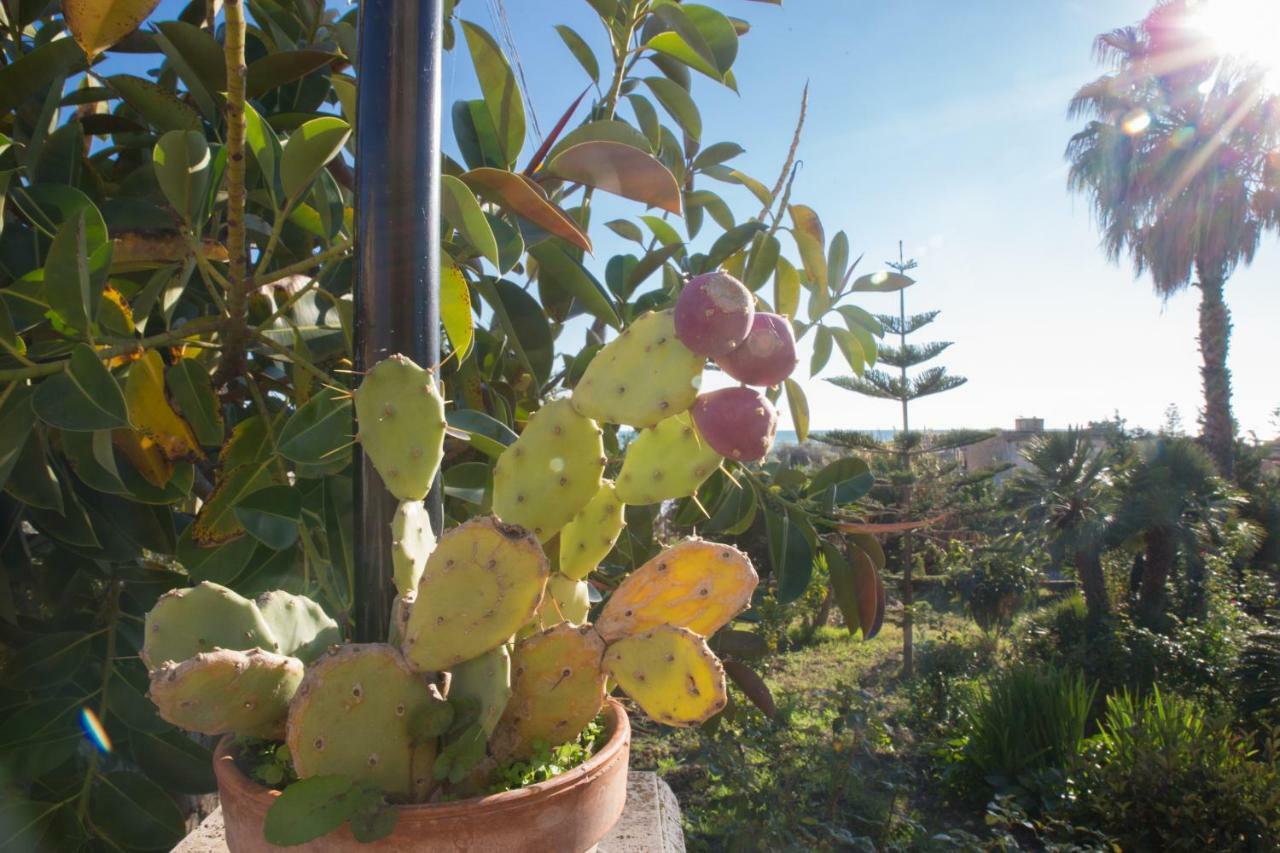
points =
(697, 585)
(482, 582)
(567, 600)
(642, 376)
(668, 461)
(670, 673)
(550, 472)
(589, 538)
(353, 716)
(557, 688)
(244, 693)
(412, 541)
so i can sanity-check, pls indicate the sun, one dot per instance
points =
(1246, 30)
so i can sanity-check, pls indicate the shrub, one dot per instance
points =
(947, 672)
(1258, 675)
(993, 581)
(1163, 775)
(1025, 726)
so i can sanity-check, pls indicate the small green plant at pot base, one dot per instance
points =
(457, 706)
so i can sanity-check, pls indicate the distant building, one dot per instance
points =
(1007, 446)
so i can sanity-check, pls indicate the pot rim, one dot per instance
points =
(616, 721)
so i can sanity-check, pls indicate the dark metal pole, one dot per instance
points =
(398, 246)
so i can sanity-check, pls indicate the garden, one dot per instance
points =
(443, 465)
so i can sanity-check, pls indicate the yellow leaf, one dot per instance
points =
(144, 455)
(455, 310)
(98, 24)
(151, 413)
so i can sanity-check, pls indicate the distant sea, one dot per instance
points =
(788, 436)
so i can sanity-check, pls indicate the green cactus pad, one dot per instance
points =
(590, 536)
(697, 585)
(567, 600)
(228, 692)
(400, 417)
(352, 717)
(301, 627)
(482, 582)
(642, 376)
(670, 460)
(549, 473)
(557, 688)
(412, 541)
(208, 616)
(486, 682)
(670, 673)
(400, 609)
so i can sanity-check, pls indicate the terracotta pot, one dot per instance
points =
(571, 812)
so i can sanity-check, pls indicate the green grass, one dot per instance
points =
(836, 770)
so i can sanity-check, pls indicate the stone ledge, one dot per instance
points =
(650, 823)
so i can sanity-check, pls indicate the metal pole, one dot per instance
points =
(398, 247)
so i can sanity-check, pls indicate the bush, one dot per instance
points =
(1024, 727)
(947, 672)
(993, 581)
(1258, 674)
(1163, 775)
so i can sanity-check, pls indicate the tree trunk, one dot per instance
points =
(1088, 563)
(1160, 556)
(1215, 334)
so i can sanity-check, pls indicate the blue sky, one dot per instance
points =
(943, 124)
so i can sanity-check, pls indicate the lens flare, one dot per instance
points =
(1136, 121)
(1247, 30)
(94, 730)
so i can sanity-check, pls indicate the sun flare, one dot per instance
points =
(1246, 30)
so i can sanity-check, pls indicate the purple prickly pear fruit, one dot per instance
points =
(767, 356)
(737, 422)
(713, 314)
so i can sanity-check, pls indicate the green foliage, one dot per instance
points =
(1164, 775)
(1258, 674)
(993, 579)
(548, 761)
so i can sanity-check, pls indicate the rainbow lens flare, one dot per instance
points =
(93, 730)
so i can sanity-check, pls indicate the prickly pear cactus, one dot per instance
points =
(670, 673)
(412, 541)
(567, 600)
(557, 688)
(713, 313)
(642, 376)
(400, 609)
(590, 536)
(697, 585)
(483, 581)
(400, 418)
(228, 692)
(549, 473)
(301, 627)
(207, 616)
(667, 461)
(486, 682)
(353, 716)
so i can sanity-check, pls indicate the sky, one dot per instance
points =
(943, 125)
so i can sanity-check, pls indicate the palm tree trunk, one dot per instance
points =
(1215, 333)
(1159, 565)
(1088, 563)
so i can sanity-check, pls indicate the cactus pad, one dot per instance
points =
(589, 537)
(550, 472)
(642, 376)
(412, 541)
(670, 673)
(400, 610)
(667, 461)
(486, 682)
(567, 600)
(352, 717)
(301, 627)
(228, 692)
(400, 416)
(208, 616)
(697, 585)
(557, 688)
(482, 582)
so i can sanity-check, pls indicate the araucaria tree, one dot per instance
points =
(904, 387)
(1178, 158)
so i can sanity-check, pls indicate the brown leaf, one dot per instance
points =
(619, 169)
(752, 686)
(524, 198)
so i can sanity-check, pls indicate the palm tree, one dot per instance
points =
(1067, 493)
(1175, 158)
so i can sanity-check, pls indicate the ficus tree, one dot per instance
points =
(176, 235)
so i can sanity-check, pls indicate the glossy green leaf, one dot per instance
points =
(199, 61)
(463, 212)
(310, 147)
(525, 198)
(16, 421)
(36, 69)
(731, 241)
(855, 316)
(285, 66)
(182, 164)
(189, 385)
(160, 107)
(75, 272)
(567, 273)
(602, 130)
(762, 263)
(525, 324)
(789, 555)
(581, 51)
(852, 594)
(678, 102)
(319, 431)
(134, 812)
(265, 145)
(883, 281)
(844, 480)
(271, 515)
(786, 289)
(488, 435)
(714, 155)
(822, 346)
(799, 405)
(501, 93)
(310, 808)
(837, 259)
(807, 230)
(83, 397)
(851, 348)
